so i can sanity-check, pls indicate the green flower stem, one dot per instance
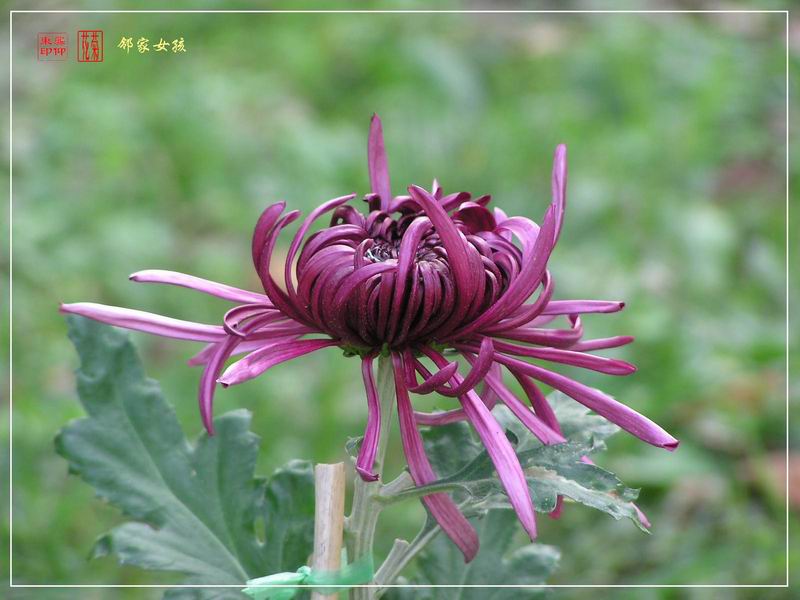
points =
(369, 498)
(401, 554)
(360, 524)
(403, 488)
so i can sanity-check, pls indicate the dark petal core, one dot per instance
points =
(415, 299)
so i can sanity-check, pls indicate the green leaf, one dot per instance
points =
(497, 562)
(451, 447)
(288, 513)
(193, 506)
(550, 470)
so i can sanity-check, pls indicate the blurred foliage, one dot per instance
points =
(675, 127)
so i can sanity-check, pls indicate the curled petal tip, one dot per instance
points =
(72, 307)
(377, 163)
(414, 188)
(223, 383)
(470, 553)
(208, 423)
(642, 517)
(531, 531)
(671, 445)
(367, 475)
(557, 511)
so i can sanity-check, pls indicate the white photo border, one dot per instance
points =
(11, 269)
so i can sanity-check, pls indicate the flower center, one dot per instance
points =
(430, 250)
(357, 285)
(382, 250)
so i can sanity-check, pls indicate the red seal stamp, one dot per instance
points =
(90, 45)
(51, 45)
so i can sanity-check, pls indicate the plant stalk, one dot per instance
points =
(401, 554)
(366, 508)
(328, 520)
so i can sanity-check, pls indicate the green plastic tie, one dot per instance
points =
(283, 586)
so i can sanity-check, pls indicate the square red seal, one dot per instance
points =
(90, 45)
(51, 45)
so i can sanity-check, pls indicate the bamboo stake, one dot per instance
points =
(328, 520)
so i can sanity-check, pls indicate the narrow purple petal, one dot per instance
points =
(280, 329)
(349, 284)
(454, 243)
(525, 284)
(451, 201)
(559, 185)
(138, 320)
(205, 355)
(378, 164)
(600, 364)
(486, 393)
(257, 322)
(536, 321)
(602, 343)
(298, 238)
(220, 290)
(558, 338)
(255, 363)
(642, 517)
(263, 226)
(556, 512)
(277, 296)
(435, 381)
(528, 314)
(538, 401)
(576, 307)
(202, 357)
(545, 412)
(487, 396)
(405, 261)
(475, 217)
(441, 506)
(365, 462)
(536, 425)
(444, 417)
(500, 215)
(436, 189)
(502, 454)
(208, 381)
(338, 235)
(480, 367)
(603, 404)
(537, 247)
(235, 316)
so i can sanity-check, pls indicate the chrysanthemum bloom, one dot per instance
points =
(413, 275)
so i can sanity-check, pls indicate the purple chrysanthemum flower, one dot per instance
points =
(414, 275)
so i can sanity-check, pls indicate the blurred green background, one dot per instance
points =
(675, 126)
